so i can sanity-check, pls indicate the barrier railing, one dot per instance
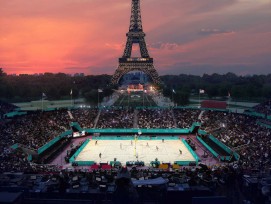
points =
(194, 125)
(76, 125)
(115, 137)
(255, 114)
(29, 157)
(15, 146)
(224, 147)
(85, 163)
(141, 131)
(14, 113)
(208, 147)
(263, 124)
(220, 144)
(144, 130)
(197, 159)
(202, 132)
(53, 141)
(236, 156)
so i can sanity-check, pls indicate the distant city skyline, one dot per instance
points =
(88, 36)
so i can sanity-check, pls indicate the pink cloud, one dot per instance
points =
(37, 36)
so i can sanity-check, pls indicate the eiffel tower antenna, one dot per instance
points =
(135, 35)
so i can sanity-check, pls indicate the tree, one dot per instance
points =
(2, 73)
(91, 96)
(181, 98)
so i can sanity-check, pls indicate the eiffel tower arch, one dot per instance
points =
(135, 35)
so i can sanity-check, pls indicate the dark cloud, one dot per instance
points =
(164, 46)
(212, 5)
(211, 31)
(97, 70)
(200, 69)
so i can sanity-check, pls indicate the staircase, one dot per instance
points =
(200, 115)
(135, 123)
(174, 119)
(97, 119)
(70, 114)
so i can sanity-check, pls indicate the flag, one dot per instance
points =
(201, 91)
(71, 92)
(43, 96)
(173, 91)
(100, 90)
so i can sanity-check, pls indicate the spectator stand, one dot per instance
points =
(216, 147)
(14, 114)
(239, 131)
(264, 123)
(6, 108)
(47, 151)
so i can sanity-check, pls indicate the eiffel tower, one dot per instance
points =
(135, 35)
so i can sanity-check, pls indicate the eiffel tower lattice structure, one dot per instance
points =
(135, 35)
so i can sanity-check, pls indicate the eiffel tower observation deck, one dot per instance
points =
(143, 63)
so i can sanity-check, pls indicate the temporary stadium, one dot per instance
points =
(75, 153)
(138, 146)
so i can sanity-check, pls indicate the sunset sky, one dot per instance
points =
(88, 36)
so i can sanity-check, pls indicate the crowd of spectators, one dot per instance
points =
(264, 108)
(185, 117)
(241, 132)
(12, 160)
(156, 118)
(265, 122)
(224, 180)
(31, 131)
(85, 117)
(35, 129)
(167, 118)
(116, 118)
(5, 108)
(238, 131)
